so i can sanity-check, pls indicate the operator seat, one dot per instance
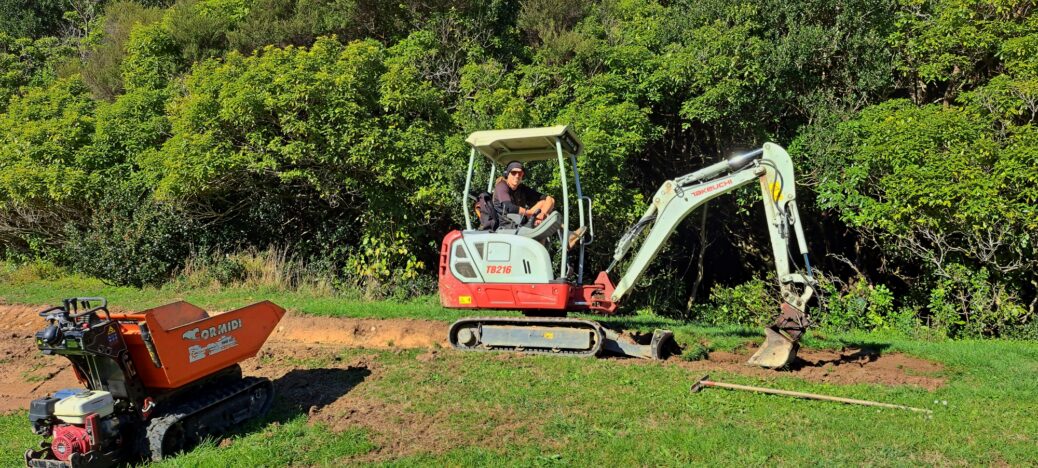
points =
(541, 232)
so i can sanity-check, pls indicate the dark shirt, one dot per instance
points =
(509, 201)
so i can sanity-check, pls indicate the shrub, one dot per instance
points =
(383, 267)
(30, 272)
(272, 268)
(859, 305)
(751, 303)
(130, 239)
(968, 303)
(200, 27)
(102, 66)
(27, 62)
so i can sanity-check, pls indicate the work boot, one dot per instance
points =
(576, 235)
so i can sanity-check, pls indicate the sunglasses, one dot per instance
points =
(517, 173)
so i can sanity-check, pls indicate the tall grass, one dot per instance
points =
(270, 269)
(29, 272)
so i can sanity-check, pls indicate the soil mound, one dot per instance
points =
(362, 333)
(850, 366)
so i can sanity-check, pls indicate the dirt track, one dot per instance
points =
(26, 374)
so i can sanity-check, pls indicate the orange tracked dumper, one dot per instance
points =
(157, 381)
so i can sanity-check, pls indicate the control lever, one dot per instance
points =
(529, 216)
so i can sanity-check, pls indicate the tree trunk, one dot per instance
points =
(700, 258)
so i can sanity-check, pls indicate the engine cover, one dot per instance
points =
(69, 439)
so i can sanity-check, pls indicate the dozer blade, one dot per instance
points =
(777, 351)
(625, 346)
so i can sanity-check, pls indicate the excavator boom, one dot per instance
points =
(679, 197)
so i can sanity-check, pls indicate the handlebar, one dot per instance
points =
(72, 305)
(47, 312)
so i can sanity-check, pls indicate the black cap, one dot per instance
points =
(514, 165)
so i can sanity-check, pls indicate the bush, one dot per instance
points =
(383, 267)
(27, 62)
(272, 268)
(22, 18)
(295, 22)
(1027, 331)
(30, 272)
(858, 305)
(152, 58)
(968, 303)
(200, 27)
(130, 239)
(751, 303)
(102, 66)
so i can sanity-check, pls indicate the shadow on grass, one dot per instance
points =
(303, 391)
(297, 393)
(735, 333)
(859, 353)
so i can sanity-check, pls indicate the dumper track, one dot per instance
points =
(215, 410)
(597, 337)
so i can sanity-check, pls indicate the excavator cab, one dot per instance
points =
(518, 267)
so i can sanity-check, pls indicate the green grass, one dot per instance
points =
(475, 409)
(291, 442)
(15, 438)
(51, 291)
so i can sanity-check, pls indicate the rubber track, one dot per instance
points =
(531, 321)
(211, 397)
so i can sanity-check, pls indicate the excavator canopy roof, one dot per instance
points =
(524, 144)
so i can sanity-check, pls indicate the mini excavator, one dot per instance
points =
(156, 382)
(512, 268)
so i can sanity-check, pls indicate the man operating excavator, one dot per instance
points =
(512, 196)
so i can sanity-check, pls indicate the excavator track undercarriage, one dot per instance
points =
(534, 335)
(552, 335)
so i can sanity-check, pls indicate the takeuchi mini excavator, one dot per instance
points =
(156, 382)
(514, 268)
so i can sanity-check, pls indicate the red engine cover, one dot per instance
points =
(69, 439)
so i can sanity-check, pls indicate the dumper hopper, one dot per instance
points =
(176, 344)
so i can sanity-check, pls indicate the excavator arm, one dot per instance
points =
(679, 197)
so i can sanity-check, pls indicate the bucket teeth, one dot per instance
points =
(777, 351)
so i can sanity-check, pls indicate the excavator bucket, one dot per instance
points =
(777, 351)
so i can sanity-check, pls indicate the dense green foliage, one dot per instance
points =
(136, 135)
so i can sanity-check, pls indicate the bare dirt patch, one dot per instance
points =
(401, 430)
(26, 374)
(851, 366)
(362, 333)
